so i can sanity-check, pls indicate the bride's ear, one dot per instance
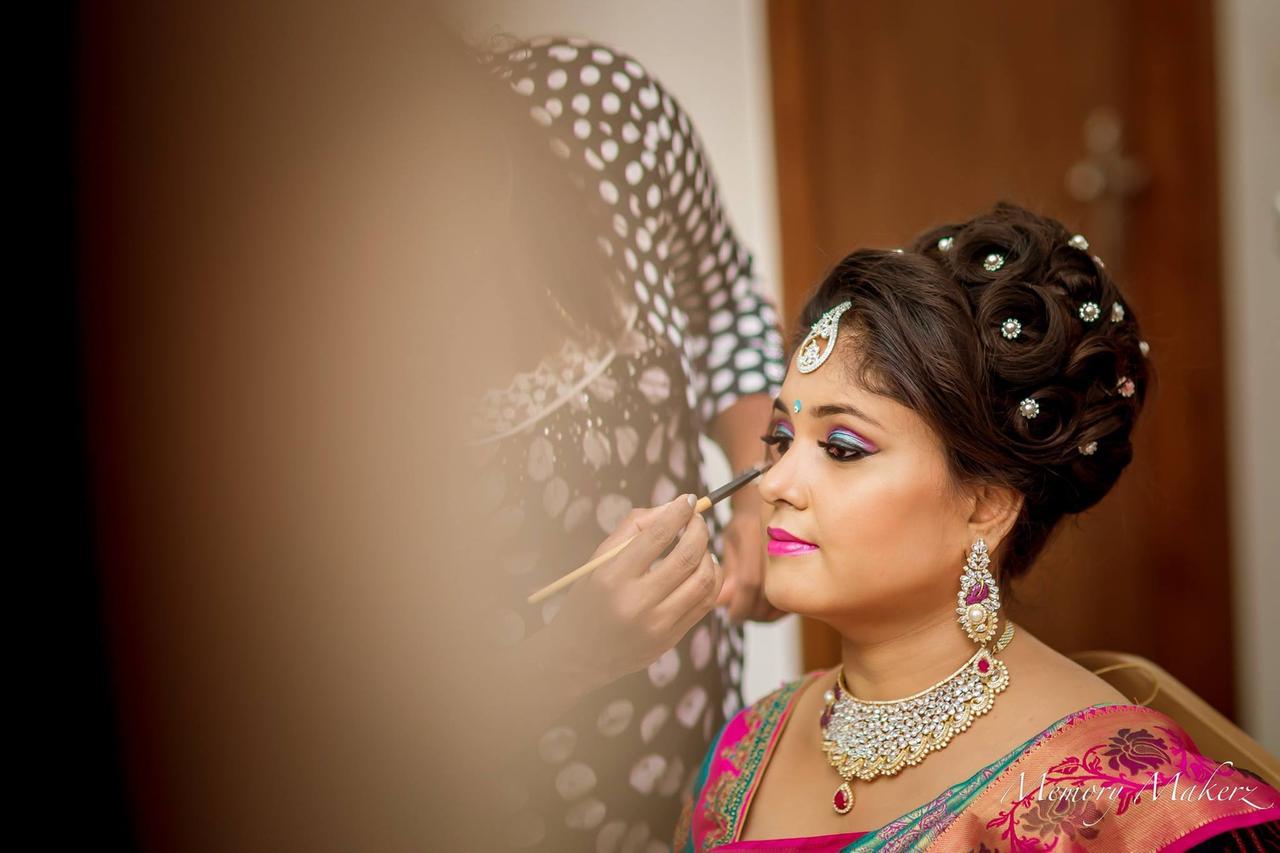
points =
(995, 509)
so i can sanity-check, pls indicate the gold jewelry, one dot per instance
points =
(865, 739)
(978, 602)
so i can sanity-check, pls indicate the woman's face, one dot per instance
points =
(861, 480)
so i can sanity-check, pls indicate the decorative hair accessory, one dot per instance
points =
(1078, 241)
(1089, 449)
(944, 244)
(1145, 347)
(993, 262)
(867, 739)
(1011, 328)
(1117, 312)
(1029, 408)
(1090, 312)
(1125, 386)
(810, 357)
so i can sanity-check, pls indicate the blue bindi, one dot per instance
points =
(795, 407)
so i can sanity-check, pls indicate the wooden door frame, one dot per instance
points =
(1169, 105)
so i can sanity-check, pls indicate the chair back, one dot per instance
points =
(1147, 684)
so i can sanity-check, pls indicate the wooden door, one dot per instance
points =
(893, 115)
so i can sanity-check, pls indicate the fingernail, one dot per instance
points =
(692, 500)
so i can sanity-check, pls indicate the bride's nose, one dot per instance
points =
(782, 483)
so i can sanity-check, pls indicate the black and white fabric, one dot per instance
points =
(605, 425)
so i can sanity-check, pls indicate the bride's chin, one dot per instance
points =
(785, 593)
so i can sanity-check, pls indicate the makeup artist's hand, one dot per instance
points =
(625, 615)
(743, 590)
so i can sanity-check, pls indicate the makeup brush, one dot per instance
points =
(704, 503)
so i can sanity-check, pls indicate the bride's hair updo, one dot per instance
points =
(1044, 405)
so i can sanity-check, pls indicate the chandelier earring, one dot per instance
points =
(978, 602)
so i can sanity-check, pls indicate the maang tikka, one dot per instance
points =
(810, 356)
(865, 739)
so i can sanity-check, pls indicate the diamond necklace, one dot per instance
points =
(865, 739)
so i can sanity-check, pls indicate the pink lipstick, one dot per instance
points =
(784, 544)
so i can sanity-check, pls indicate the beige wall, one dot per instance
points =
(1249, 94)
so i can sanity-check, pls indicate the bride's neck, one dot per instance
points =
(892, 664)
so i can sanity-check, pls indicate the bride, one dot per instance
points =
(948, 406)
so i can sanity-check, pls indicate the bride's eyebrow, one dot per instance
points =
(826, 410)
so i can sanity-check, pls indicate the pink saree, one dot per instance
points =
(1108, 777)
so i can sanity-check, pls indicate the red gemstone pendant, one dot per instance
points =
(842, 800)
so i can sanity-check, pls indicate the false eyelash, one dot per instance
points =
(774, 440)
(856, 452)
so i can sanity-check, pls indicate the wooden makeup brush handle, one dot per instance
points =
(587, 568)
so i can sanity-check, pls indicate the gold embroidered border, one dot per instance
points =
(724, 801)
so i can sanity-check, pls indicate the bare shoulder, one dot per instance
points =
(1052, 683)
(1044, 686)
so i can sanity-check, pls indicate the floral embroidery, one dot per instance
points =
(1074, 818)
(1124, 765)
(1137, 751)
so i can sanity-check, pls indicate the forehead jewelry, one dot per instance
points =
(811, 355)
(795, 407)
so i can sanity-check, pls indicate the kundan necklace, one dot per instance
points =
(866, 739)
